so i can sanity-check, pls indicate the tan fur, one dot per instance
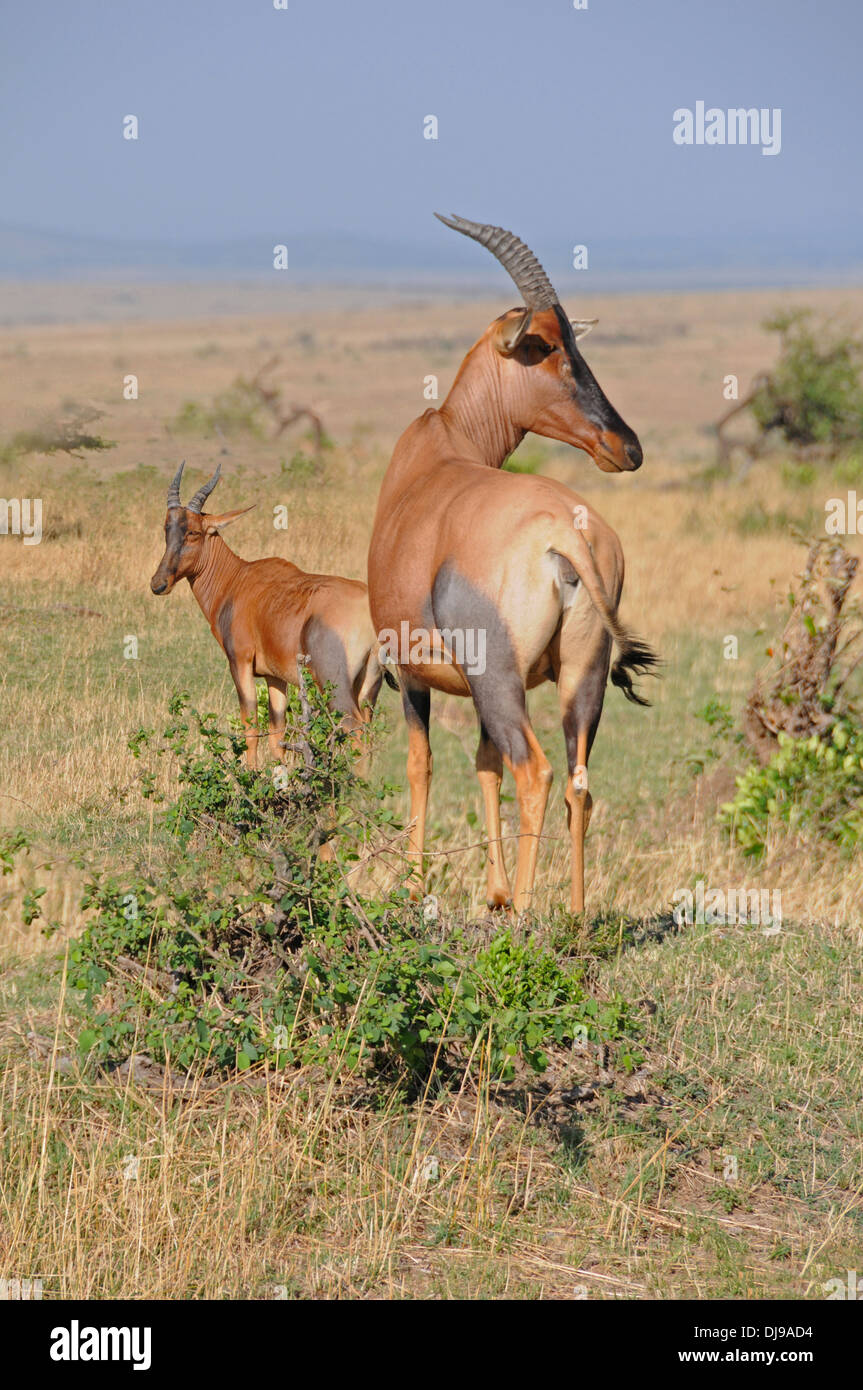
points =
(265, 613)
(512, 540)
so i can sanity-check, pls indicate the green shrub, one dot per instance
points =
(234, 411)
(814, 394)
(247, 946)
(302, 468)
(848, 469)
(723, 737)
(812, 785)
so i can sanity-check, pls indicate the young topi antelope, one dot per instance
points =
(460, 547)
(264, 613)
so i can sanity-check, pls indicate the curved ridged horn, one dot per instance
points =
(196, 503)
(174, 489)
(531, 280)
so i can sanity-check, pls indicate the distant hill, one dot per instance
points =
(33, 254)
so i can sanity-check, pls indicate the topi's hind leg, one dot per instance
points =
(579, 804)
(328, 663)
(496, 681)
(366, 688)
(499, 699)
(581, 691)
(367, 685)
(489, 770)
(277, 700)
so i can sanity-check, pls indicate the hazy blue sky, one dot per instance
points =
(556, 122)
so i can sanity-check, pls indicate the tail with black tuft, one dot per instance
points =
(576, 562)
(637, 658)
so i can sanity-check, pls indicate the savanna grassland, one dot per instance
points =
(600, 1182)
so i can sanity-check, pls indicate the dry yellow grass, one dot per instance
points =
(252, 1189)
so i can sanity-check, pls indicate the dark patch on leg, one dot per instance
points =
(225, 623)
(585, 711)
(329, 662)
(498, 692)
(416, 703)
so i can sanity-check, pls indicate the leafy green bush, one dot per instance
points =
(247, 946)
(814, 785)
(814, 394)
(723, 737)
(12, 843)
(234, 411)
(303, 468)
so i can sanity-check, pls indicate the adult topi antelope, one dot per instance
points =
(460, 547)
(265, 613)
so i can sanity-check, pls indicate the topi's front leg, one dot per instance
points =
(248, 698)
(416, 703)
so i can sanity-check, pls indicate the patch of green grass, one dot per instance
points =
(762, 1045)
(531, 456)
(757, 519)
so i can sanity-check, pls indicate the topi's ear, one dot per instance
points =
(581, 327)
(510, 331)
(215, 523)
